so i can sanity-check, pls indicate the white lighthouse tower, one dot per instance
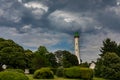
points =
(77, 49)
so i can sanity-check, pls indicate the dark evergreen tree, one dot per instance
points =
(108, 65)
(108, 46)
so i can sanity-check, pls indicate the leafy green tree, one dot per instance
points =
(69, 59)
(42, 50)
(52, 60)
(66, 59)
(85, 64)
(108, 66)
(39, 58)
(11, 54)
(1, 39)
(39, 61)
(118, 50)
(28, 58)
(59, 56)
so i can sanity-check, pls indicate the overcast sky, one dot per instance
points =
(52, 23)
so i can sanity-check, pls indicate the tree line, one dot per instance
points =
(15, 56)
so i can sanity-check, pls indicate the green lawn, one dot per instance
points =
(99, 79)
(57, 78)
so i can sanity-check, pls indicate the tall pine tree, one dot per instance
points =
(109, 46)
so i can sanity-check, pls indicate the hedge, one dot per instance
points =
(78, 73)
(86, 73)
(15, 70)
(54, 70)
(43, 73)
(8, 75)
(60, 72)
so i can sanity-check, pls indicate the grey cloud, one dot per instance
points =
(19, 15)
(94, 19)
(15, 14)
(88, 5)
(108, 19)
(71, 22)
(10, 13)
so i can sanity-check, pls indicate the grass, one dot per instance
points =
(98, 79)
(58, 78)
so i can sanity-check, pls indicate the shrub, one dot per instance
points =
(1, 69)
(15, 70)
(60, 72)
(43, 73)
(86, 73)
(77, 72)
(8, 75)
(73, 72)
(54, 70)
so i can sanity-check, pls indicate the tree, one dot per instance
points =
(39, 59)
(59, 55)
(109, 46)
(11, 54)
(108, 66)
(52, 60)
(42, 50)
(66, 59)
(85, 64)
(118, 50)
(28, 58)
(69, 59)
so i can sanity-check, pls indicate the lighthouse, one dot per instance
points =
(76, 46)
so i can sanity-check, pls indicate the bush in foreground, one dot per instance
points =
(79, 73)
(54, 70)
(73, 72)
(86, 73)
(43, 73)
(60, 72)
(8, 75)
(15, 70)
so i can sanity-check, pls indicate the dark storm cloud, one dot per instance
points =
(53, 23)
(15, 14)
(9, 13)
(13, 11)
(43, 22)
(95, 9)
(99, 10)
(89, 5)
(12, 14)
(109, 19)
